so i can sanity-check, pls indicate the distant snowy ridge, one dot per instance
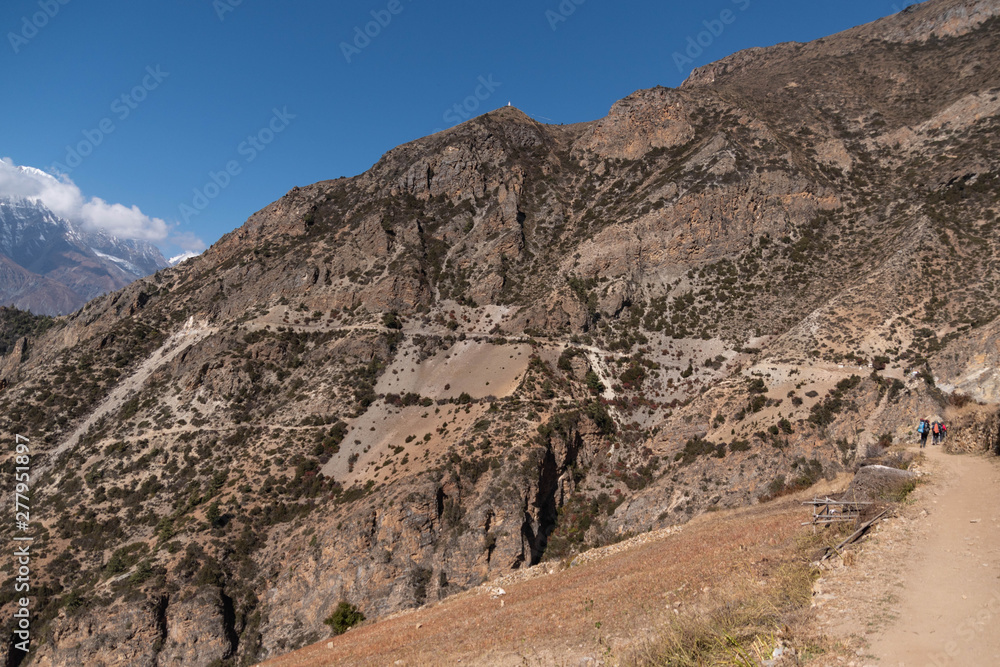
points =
(124, 263)
(174, 261)
(55, 266)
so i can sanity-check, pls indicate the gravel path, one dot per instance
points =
(949, 604)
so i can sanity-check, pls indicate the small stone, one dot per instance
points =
(419, 625)
(329, 644)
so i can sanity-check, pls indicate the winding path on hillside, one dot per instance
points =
(177, 343)
(949, 606)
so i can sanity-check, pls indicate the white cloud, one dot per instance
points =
(63, 197)
(188, 242)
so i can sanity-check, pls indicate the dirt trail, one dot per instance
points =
(177, 343)
(950, 600)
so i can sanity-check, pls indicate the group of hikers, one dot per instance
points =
(935, 429)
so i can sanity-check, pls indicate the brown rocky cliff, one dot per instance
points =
(916, 23)
(450, 536)
(973, 430)
(128, 634)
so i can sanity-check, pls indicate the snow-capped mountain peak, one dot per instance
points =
(44, 254)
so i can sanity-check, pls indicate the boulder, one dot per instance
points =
(877, 482)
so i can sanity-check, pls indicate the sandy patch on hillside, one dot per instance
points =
(376, 436)
(782, 379)
(371, 450)
(473, 367)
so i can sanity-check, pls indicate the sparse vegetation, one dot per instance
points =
(344, 617)
(741, 625)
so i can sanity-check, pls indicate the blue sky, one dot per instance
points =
(266, 95)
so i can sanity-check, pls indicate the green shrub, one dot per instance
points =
(345, 617)
(391, 321)
(594, 383)
(124, 558)
(694, 448)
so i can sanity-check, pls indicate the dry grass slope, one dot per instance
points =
(727, 589)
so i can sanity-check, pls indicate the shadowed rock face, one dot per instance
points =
(713, 294)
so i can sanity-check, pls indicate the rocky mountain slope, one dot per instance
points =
(51, 267)
(508, 342)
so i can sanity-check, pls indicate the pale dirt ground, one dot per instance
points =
(950, 599)
(479, 369)
(782, 378)
(476, 368)
(374, 434)
(925, 588)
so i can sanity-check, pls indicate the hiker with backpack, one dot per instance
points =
(923, 428)
(944, 432)
(936, 433)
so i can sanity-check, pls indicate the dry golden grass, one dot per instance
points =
(724, 587)
(741, 626)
